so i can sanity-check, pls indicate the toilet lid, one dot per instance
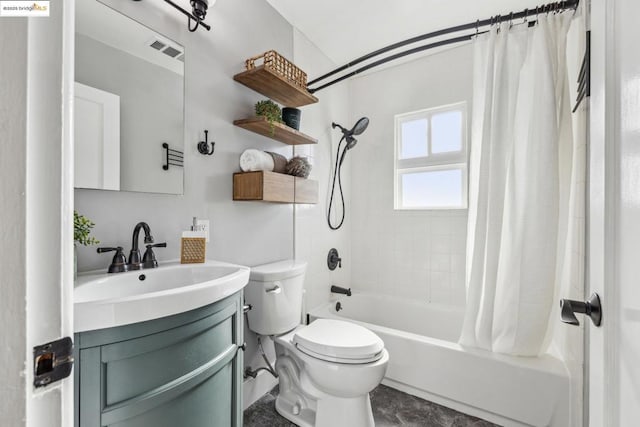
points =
(339, 340)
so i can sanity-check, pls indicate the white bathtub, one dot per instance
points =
(426, 361)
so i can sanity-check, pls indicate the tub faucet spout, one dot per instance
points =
(338, 290)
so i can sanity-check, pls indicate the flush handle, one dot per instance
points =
(275, 290)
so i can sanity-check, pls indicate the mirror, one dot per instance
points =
(129, 104)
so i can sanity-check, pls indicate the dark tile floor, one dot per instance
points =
(390, 408)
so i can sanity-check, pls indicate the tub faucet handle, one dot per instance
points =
(333, 259)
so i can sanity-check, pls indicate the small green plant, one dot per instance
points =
(271, 111)
(82, 229)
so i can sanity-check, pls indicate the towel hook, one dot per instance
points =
(511, 20)
(203, 146)
(477, 25)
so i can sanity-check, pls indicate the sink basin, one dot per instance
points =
(103, 300)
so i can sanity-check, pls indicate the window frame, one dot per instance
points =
(433, 161)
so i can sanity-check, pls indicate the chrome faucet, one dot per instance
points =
(149, 260)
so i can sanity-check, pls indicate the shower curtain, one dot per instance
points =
(522, 175)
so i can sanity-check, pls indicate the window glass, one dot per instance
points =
(446, 132)
(414, 134)
(431, 158)
(437, 188)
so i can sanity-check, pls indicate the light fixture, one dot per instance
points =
(199, 12)
(200, 8)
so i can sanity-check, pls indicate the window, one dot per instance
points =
(431, 158)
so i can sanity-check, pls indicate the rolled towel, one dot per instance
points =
(279, 162)
(256, 160)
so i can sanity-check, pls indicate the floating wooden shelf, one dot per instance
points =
(274, 187)
(281, 132)
(274, 86)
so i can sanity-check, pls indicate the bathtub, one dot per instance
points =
(426, 361)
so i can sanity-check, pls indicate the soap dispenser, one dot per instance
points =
(193, 244)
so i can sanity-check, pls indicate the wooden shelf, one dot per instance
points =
(273, 187)
(281, 132)
(274, 86)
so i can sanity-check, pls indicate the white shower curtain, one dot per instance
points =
(521, 173)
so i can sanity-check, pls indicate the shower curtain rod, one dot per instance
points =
(551, 7)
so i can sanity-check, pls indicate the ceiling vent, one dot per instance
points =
(165, 48)
(157, 45)
(171, 51)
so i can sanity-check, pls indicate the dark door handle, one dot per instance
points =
(590, 307)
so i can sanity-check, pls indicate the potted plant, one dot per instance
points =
(270, 111)
(81, 236)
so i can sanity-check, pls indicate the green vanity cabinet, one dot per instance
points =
(183, 370)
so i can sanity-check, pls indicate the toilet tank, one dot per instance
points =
(275, 294)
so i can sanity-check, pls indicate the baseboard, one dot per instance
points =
(457, 406)
(255, 388)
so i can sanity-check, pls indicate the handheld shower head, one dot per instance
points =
(347, 135)
(360, 126)
(357, 129)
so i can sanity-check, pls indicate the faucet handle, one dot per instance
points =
(149, 258)
(119, 261)
(333, 259)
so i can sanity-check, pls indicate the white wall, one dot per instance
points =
(412, 254)
(13, 106)
(313, 237)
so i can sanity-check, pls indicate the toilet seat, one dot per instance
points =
(338, 341)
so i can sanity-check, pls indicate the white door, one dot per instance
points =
(97, 138)
(614, 210)
(36, 224)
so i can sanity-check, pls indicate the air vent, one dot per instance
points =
(172, 52)
(165, 47)
(158, 45)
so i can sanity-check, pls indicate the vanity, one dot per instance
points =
(160, 347)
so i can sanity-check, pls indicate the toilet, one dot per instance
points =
(325, 369)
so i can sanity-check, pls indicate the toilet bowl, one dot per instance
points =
(325, 369)
(323, 389)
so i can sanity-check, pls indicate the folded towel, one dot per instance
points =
(256, 160)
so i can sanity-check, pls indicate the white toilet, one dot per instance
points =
(326, 369)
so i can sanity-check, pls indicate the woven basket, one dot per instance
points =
(193, 250)
(280, 65)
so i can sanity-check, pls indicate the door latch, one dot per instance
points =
(52, 361)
